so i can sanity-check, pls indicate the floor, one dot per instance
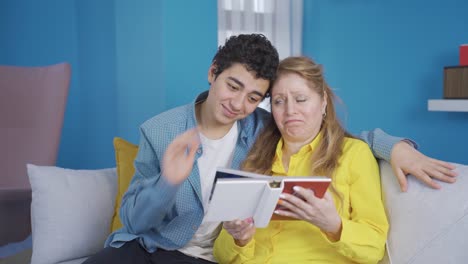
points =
(23, 257)
(17, 253)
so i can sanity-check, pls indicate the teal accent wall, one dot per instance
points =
(34, 33)
(91, 133)
(130, 60)
(190, 40)
(134, 59)
(385, 59)
(140, 80)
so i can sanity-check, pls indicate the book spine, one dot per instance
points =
(266, 205)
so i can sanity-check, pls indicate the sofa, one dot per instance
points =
(73, 211)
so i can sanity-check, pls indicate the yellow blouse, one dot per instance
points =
(364, 223)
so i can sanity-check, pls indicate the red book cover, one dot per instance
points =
(318, 185)
(464, 55)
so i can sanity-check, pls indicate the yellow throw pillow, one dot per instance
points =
(125, 154)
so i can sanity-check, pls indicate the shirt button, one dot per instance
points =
(199, 151)
(194, 227)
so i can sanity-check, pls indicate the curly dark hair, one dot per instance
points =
(254, 51)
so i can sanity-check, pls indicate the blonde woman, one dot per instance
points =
(349, 224)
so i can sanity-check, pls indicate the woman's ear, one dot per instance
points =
(324, 103)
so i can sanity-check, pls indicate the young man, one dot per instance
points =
(162, 211)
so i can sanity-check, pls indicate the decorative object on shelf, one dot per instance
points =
(464, 55)
(456, 82)
(455, 87)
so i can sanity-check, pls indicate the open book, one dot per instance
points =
(238, 195)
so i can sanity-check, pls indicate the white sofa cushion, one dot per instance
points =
(426, 225)
(71, 212)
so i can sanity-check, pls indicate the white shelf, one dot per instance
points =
(448, 105)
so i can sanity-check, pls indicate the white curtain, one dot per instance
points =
(279, 20)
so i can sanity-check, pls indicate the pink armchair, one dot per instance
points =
(32, 106)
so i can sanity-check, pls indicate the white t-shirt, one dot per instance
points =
(216, 153)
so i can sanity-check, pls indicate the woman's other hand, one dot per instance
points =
(241, 230)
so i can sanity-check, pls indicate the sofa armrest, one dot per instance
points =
(426, 225)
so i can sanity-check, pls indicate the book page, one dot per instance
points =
(234, 199)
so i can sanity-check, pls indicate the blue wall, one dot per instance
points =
(140, 78)
(385, 59)
(134, 59)
(37, 33)
(97, 124)
(130, 60)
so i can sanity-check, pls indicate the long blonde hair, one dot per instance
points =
(325, 158)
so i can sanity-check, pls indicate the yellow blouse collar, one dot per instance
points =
(278, 164)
